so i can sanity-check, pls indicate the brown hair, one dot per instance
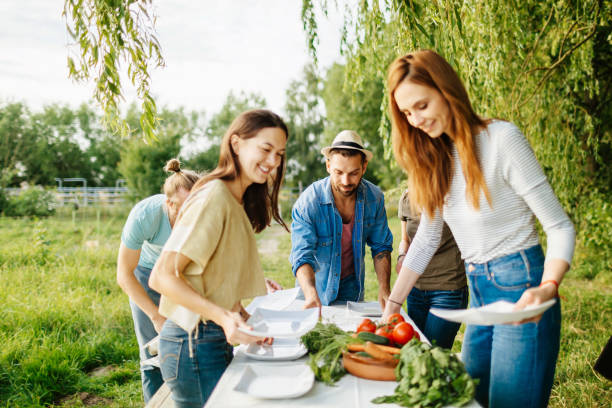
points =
(428, 161)
(179, 179)
(347, 153)
(260, 204)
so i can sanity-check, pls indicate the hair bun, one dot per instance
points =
(173, 165)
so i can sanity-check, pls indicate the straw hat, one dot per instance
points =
(347, 139)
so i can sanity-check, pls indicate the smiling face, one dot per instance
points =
(259, 155)
(345, 173)
(425, 108)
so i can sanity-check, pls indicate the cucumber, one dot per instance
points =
(374, 338)
(363, 354)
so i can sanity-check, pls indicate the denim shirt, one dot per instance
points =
(316, 234)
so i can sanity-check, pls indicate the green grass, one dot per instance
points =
(63, 315)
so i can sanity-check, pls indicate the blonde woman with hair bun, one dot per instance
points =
(145, 232)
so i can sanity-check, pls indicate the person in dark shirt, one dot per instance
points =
(442, 285)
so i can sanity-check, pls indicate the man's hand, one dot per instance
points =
(400, 260)
(382, 266)
(312, 301)
(383, 295)
(306, 277)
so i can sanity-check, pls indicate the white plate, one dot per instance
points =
(494, 313)
(281, 349)
(275, 382)
(281, 323)
(279, 300)
(371, 309)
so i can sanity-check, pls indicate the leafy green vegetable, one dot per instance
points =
(430, 377)
(319, 336)
(325, 344)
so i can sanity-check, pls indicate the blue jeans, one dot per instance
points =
(514, 363)
(434, 328)
(193, 378)
(348, 290)
(145, 331)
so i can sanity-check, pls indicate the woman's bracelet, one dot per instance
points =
(393, 301)
(400, 255)
(554, 282)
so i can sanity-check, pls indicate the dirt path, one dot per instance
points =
(268, 244)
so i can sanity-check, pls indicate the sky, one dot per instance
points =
(210, 48)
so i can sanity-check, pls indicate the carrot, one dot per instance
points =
(375, 351)
(356, 347)
(361, 347)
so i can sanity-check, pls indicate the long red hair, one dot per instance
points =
(428, 161)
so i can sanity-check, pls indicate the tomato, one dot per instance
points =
(402, 333)
(417, 335)
(395, 318)
(366, 326)
(385, 331)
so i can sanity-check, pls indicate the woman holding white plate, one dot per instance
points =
(210, 262)
(482, 178)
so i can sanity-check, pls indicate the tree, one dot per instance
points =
(14, 136)
(543, 65)
(56, 143)
(305, 121)
(53, 150)
(104, 150)
(359, 111)
(142, 162)
(207, 158)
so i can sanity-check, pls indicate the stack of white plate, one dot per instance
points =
(277, 381)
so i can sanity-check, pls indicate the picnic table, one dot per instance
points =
(350, 391)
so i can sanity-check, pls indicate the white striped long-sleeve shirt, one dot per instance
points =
(519, 190)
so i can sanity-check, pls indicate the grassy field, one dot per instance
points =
(66, 331)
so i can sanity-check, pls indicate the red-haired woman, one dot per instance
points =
(481, 177)
(210, 262)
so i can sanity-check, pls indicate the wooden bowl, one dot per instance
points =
(369, 368)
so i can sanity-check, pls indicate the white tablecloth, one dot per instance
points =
(350, 391)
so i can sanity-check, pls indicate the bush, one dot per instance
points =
(3, 199)
(33, 201)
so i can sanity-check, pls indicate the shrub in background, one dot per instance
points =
(33, 201)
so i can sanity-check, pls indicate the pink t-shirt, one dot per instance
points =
(348, 263)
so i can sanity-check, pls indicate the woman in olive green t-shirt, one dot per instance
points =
(442, 285)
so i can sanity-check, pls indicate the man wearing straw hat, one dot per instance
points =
(333, 219)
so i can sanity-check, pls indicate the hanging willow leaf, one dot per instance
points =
(108, 33)
(542, 64)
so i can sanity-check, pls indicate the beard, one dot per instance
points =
(347, 190)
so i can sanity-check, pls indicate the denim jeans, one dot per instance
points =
(193, 378)
(434, 328)
(348, 291)
(145, 331)
(514, 363)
